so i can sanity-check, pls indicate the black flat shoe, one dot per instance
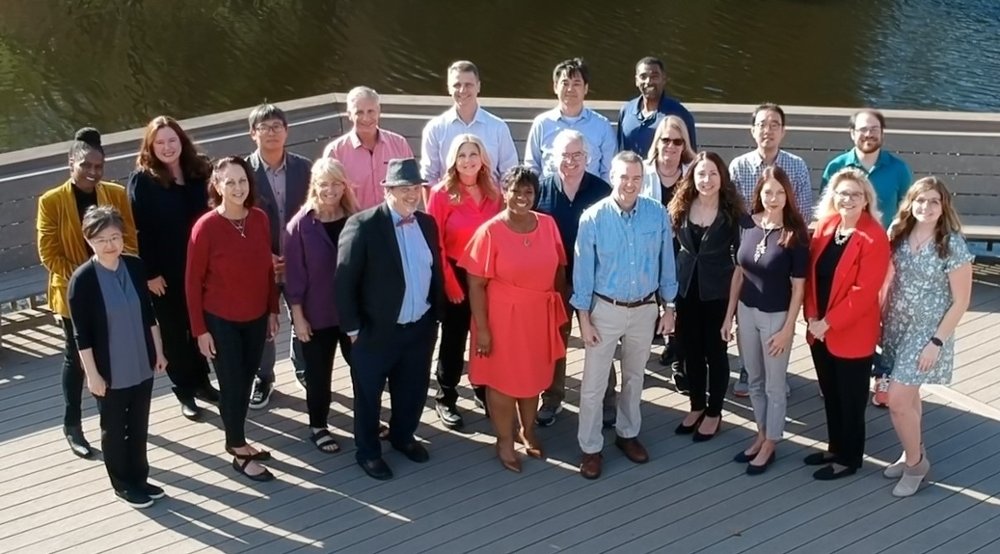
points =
(190, 410)
(688, 429)
(260, 456)
(377, 469)
(828, 473)
(757, 470)
(744, 458)
(208, 394)
(78, 445)
(414, 451)
(240, 465)
(818, 459)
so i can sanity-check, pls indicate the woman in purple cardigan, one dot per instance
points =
(310, 263)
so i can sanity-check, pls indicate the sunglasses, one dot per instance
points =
(676, 142)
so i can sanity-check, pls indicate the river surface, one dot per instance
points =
(116, 64)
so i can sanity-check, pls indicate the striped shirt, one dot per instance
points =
(746, 170)
(625, 256)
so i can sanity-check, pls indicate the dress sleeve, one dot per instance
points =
(479, 258)
(958, 254)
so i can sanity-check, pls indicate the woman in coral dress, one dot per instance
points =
(516, 267)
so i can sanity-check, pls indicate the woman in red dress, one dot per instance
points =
(516, 267)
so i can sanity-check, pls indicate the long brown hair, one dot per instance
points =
(947, 224)
(484, 180)
(794, 229)
(193, 165)
(730, 201)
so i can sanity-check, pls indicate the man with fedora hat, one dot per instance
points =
(390, 293)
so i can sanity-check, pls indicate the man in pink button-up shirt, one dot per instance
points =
(366, 149)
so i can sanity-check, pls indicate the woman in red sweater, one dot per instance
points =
(465, 199)
(232, 299)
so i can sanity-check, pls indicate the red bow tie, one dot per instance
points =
(406, 221)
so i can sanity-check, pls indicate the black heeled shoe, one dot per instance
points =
(702, 437)
(688, 429)
(757, 470)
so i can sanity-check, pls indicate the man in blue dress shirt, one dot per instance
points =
(624, 271)
(639, 117)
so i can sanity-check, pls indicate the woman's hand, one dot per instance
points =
(727, 330)
(780, 342)
(928, 356)
(96, 384)
(206, 344)
(272, 326)
(456, 297)
(484, 343)
(303, 331)
(161, 363)
(818, 328)
(157, 286)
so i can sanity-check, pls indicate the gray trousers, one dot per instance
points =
(267, 360)
(766, 375)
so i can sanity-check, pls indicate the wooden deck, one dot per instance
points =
(689, 498)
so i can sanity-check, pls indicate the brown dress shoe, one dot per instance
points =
(590, 467)
(633, 449)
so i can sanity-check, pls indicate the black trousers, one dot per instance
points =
(454, 336)
(187, 368)
(238, 346)
(406, 368)
(844, 383)
(124, 427)
(706, 364)
(73, 378)
(318, 354)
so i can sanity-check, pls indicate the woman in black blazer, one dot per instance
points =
(119, 344)
(705, 213)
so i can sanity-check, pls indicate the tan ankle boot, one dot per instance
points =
(895, 470)
(912, 478)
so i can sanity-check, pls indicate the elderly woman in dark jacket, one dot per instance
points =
(119, 344)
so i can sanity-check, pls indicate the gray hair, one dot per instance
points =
(99, 218)
(357, 93)
(628, 157)
(562, 140)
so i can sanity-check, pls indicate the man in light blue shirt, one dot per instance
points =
(570, 82)
(466, 116)
(624, 271)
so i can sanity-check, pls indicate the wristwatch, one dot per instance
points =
(937, 342)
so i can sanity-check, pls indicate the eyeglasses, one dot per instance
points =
(669, 141)
(844, 195)
(270, 128)
(868, 130)
(573, 156)
(769, 125)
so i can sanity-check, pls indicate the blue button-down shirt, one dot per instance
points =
(890, 176)
(596, 128)
(745, 171)
(439, 133)
(417, 269)
(635, 131)
(552, 200)
(625, 256)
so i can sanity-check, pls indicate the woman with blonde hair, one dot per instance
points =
(310, 265)
(929, 291)
(465, 198)
(848, 262)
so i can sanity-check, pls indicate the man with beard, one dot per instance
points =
(639, 117)
(891, 178)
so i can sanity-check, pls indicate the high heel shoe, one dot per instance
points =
(912, 478)
(702, 437)
(757, 470)
(688, 429)
(532, 450)
(514, 466)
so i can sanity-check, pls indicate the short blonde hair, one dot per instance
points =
(330, 170)
(827, 207)
(662, 130)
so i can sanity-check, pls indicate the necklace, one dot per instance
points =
(840, 236)
(240, 226)
(761, 248)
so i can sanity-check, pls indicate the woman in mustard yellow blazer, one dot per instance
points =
(62, 248)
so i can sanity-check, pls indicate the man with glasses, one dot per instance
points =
(282, 180)
(891, 177)
(570, 82)
(768, 130)
(638, 119)
(565, 195)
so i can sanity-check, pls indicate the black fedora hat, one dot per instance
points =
(402, 172)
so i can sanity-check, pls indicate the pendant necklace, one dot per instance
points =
(761, 248)
(241, 226)
(840, 237)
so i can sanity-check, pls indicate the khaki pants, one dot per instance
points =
(556, 393)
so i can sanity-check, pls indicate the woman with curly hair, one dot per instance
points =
(705, 213)
(929, 291)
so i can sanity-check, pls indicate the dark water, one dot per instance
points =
(115, 64)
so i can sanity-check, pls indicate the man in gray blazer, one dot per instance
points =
(282, 179)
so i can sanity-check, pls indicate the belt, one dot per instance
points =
(649, 299)
(412, 323)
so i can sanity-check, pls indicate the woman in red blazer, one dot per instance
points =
(848, 262)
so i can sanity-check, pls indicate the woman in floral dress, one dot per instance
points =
(929, 289)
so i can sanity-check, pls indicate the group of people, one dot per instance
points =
(633, 229)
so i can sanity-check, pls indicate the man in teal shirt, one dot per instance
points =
(888, 173)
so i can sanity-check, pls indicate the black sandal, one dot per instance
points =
(260, 456)
(240, 465)
(324, 442)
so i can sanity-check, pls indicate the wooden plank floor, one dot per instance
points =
(689, 498)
